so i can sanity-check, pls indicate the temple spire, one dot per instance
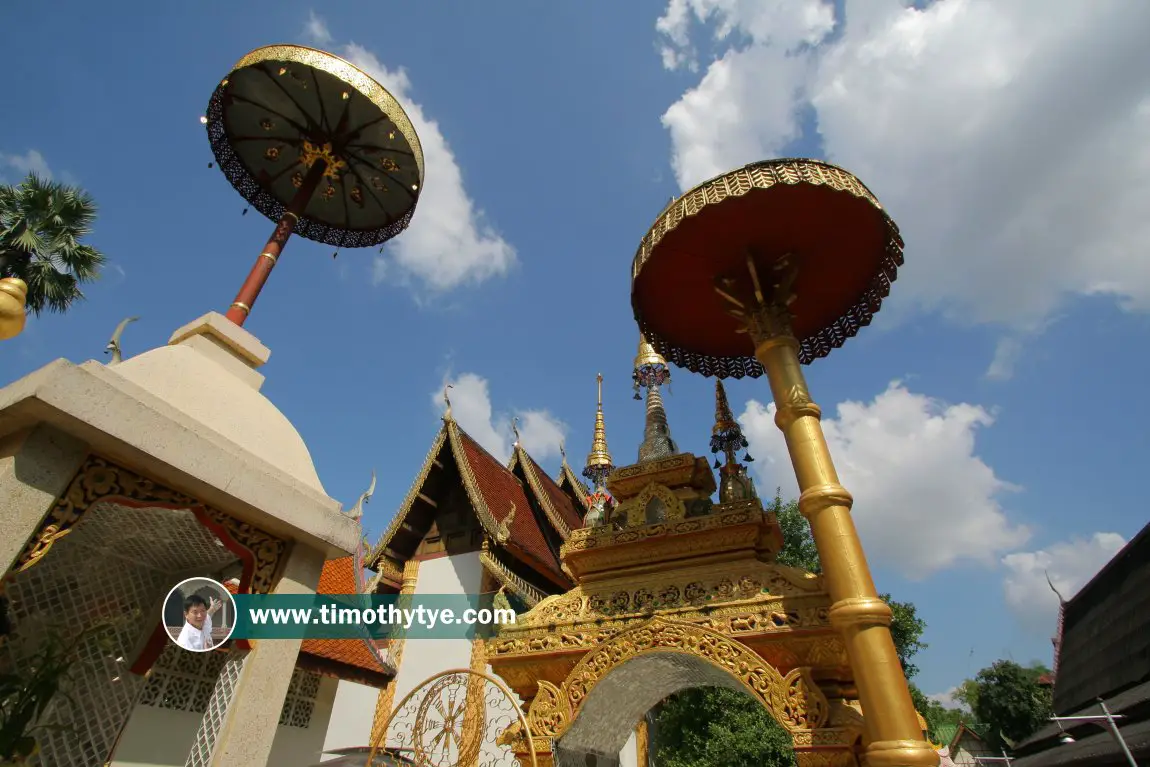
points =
(651, 372)
(727, 437)
(599, 467)
(599, 463)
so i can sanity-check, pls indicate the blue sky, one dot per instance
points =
(991, 423)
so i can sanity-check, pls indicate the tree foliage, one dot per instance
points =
(1008, 697)
(41, 225)
(717, 727)
(714, 726)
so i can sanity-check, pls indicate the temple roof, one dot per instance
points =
(1102, 654)
(556, 504)
(575, 489)
(500, 502)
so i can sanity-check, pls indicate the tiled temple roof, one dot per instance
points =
(493, 491)
(349, 659)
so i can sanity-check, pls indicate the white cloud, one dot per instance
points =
(1006, 140)
(1006, 354)
(1071, 564)
(449, 242)
(924, 500)
(316, 30)
(540, 432)
(23, 164)
(946, 699)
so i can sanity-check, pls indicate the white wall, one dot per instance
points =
(352, 716)
(303, 747)
(458, 574)
(629, 756)
(162, 737)
(157, 737)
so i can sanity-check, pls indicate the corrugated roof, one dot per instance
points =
(1104, 647)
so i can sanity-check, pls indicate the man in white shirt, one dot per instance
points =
(197, 632)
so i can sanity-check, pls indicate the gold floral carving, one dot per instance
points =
(515, 584)
(591, 538)
(794, 700)
(550, 713)
(636, 508)
(100, 480)
(838, 757)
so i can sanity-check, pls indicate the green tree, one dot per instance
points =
(717, 727)
(41, 225)
(798, 543)
(1008, 698)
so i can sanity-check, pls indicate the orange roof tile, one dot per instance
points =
(338, 577)
(500, 489)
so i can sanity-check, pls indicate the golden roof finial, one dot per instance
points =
(650, 368)
(447, 400)
(563, 450)
(726, 435)
(515, 430)
(647, 354)
(599, 463)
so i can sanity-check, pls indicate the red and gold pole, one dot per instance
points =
(241, 308)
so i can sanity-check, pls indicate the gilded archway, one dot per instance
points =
(686, 602)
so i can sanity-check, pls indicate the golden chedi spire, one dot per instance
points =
(599, 467)
(599, 463)
(727, 437)
(651, 372)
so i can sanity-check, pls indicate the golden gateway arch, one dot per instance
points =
(755, 272)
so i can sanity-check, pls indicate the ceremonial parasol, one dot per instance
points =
(760, 271)
(316, 145)
(845, 247)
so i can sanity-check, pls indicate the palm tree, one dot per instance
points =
(41, 225)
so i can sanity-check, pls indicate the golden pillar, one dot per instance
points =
(13, 297)
(856, 611)
(721, 265)
(386, 699)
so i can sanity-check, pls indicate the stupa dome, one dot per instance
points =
(207, 371)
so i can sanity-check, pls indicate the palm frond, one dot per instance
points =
(42, 223)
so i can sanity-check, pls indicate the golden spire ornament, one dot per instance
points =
(599, 467)
(650, 373)
(13, 299)
(599, 463)
(727, 437)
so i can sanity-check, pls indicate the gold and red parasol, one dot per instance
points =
(846, 248)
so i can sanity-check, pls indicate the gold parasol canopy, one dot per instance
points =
(282, 108)
(840, 249)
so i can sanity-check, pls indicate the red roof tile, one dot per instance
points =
(500, 489)
(559, 499)
(338, 577)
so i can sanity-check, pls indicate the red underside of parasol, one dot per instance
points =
(839, 241)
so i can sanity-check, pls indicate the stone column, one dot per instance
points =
(247, 724)
(36, 467)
